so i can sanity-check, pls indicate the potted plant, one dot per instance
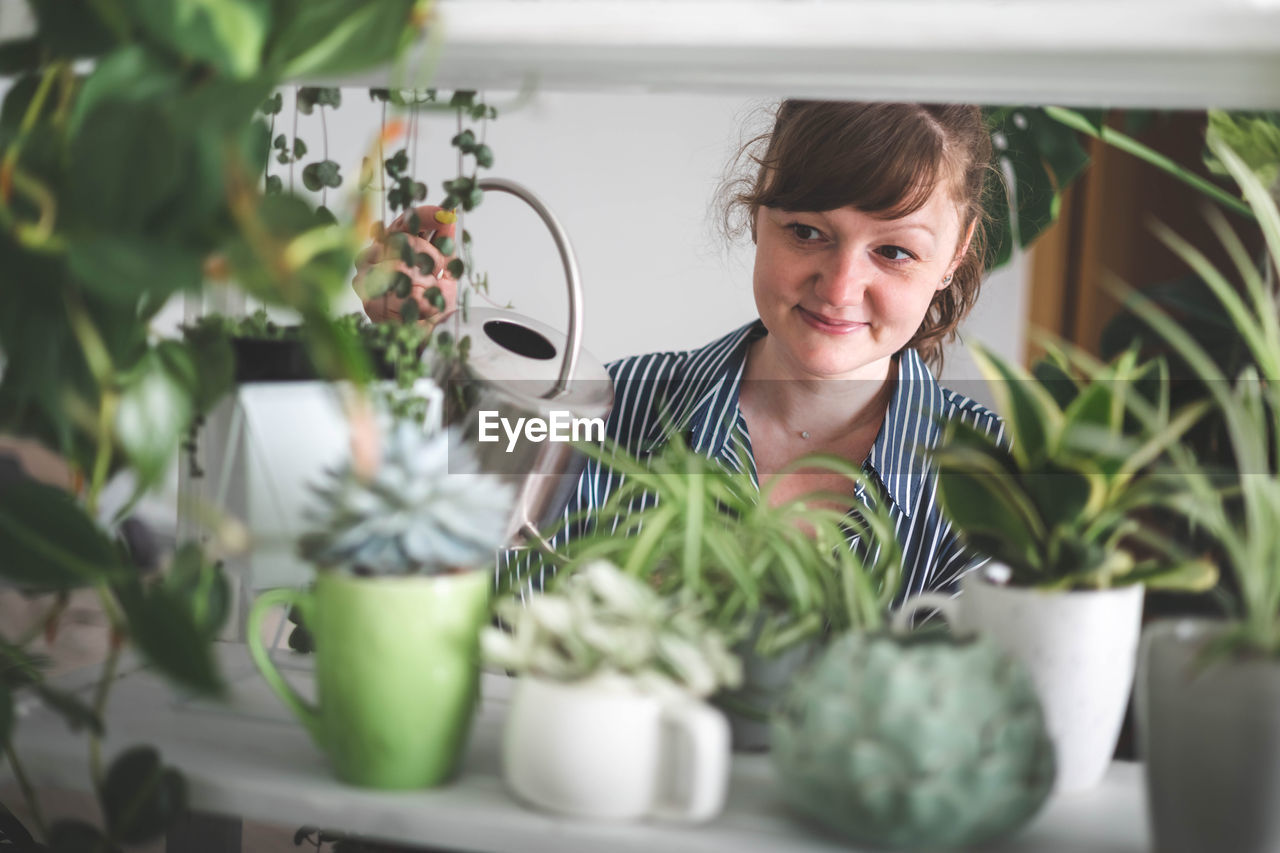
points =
(901, 739)
(775, 580)
(1208, 691)
(1059, 512)
(612, 678)
(403, 547)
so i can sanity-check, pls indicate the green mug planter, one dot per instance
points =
(396, 672)
(396, 611)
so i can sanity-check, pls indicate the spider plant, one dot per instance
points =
(1062, 507)
(1242, 515)
(702, 533)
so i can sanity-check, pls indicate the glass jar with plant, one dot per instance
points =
(1060, 513)
(610, 672)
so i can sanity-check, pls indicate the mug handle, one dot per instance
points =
(944, 604)
(705, 733)
(307, 713)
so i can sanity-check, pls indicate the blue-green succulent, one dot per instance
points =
(910, 742)
(427, 509)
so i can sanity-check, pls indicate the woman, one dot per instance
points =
(866, 222)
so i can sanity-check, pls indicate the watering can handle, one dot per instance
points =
(574, 334)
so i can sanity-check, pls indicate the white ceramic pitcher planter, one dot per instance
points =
(1210, 738)
(1081, 650)
(606, 749)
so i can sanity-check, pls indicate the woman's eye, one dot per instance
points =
(806, 233)
(896, 253)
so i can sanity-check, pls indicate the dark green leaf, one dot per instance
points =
(409, 311)
(202, 587)
(228, 34)
(456, 268)
(165, 629)
(48, 541)
(124, 268)
(444, 245)
(125, 164)
(979, 506)
(156, 406)
(484, 156)
(77, 836)
(473, 199)
(327, 172)
(435, 297)
(325, 216)
(1060, 495)
(311, 177)
(74, 711)
(299, 149)
(71, 29)
(19, 56)
(1058, 382)
(273, 105)
(332, 37)
(140, 796)
(425, 263)
(464, 141)
(274, 185)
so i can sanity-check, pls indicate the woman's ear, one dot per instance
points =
(960, 253)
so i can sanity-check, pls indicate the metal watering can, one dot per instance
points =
(519, 368)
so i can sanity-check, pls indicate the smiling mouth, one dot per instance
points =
(826, 324)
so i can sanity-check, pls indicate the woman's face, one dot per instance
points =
(841, 291)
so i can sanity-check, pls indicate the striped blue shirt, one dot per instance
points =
(698, 391)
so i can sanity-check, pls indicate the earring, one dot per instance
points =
(946, 279)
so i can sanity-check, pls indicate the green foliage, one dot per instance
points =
(126, 179)
(1061, 506)
(605, 622)
(709, 538)
(227, 34)
(1254, 137)
(140, 796)
(49, 543)
(1044, 157)
(1241, 514)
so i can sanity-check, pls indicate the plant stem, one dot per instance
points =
(293, 160)
(116, 625)
(28, 792)
(1075, 121)
(324, 141)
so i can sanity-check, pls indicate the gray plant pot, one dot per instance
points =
(1211, 741)
(764, 681)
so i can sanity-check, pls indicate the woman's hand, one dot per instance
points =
(383, 259)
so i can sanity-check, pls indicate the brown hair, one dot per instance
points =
(883, 159)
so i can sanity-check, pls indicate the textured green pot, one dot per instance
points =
(914, 743)
(397, 672)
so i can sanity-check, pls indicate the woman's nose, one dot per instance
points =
(844, 280)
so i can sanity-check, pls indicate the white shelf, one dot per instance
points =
(1153, 53)
(1117, 53)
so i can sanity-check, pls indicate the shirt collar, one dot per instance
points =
(912, 426)
(912, 423)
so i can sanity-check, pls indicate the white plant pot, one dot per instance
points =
(1080, 648)
(605, 749)
(1211, 742)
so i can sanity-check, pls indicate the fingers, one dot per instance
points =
(431, 219)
